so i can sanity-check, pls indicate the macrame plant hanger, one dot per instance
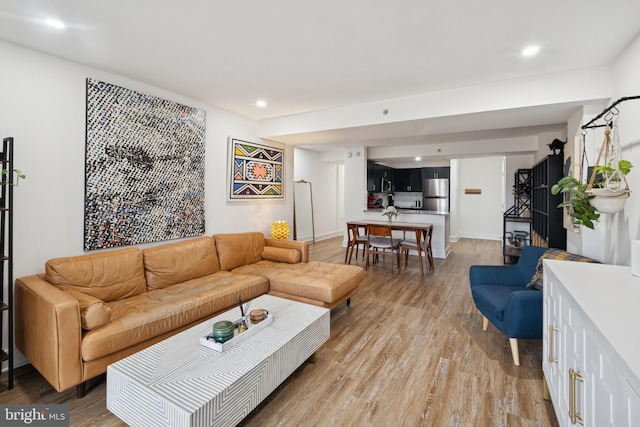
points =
(612, 158)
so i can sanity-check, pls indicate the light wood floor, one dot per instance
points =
(409, 351)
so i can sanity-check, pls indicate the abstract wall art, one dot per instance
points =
(256, 171)
(144, 168)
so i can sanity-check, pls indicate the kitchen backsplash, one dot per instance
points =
(403, 199)
(407, 200)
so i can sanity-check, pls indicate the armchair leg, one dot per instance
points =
(485, 323)
(513, 342)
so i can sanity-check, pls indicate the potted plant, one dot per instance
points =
(587, 200)
(390, 212)
(17, 172)
(578, 200)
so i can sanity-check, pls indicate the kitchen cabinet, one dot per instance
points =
(376, 175)
(388, 178)
(436, 172)
(590, 361)
(415, 179)
(374, 171)
(409, 180)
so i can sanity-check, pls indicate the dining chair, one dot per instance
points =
(425, 247)
(379, 241)
(355, 240)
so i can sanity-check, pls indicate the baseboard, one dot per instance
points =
(480, 236)
(326, 236)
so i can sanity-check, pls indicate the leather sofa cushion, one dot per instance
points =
(290, 256)
(178, 262)
(146, 316)
(317, 281)
(239, 249)
(107, 276)
(93, 312)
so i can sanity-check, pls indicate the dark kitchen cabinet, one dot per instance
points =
(416, 179)
(408, 180)
(388, 178)
(376, 174)
(436, 172)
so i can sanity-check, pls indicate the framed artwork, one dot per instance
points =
(255, 171)
(144, 168)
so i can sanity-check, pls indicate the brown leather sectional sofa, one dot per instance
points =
(88, 311)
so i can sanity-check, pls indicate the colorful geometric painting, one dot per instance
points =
(144, 168)
(257, 171)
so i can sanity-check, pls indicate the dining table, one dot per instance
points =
(419, 228)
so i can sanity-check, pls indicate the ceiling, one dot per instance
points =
(303, 55)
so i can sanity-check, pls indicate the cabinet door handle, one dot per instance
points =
(574, 376)
(552, 329)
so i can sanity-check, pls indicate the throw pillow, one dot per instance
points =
(290, 256)
(537, 279)
(93, 312)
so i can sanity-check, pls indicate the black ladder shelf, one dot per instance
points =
(514, 235)
(6, 255)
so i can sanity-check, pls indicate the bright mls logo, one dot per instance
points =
(34, 415)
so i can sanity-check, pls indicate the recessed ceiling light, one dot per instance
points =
(530, 51)
(55, 23)
(261, 103)
(418, 159)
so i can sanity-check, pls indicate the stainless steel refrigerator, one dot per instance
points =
(435, 195)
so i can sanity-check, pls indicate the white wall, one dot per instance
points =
(43, 108)
(480, 215)
(355, 184)
(611, 240)
(327, 182)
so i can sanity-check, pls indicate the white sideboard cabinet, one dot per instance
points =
(591, 343)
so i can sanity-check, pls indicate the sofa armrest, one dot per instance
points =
(523, 314)
(505, 275)
(48, 330)
(303, 247)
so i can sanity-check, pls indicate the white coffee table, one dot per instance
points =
(178, 382)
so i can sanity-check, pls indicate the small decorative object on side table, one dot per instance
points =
(258, 315)
(210, 341)
(222, 331)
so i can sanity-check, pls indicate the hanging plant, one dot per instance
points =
(578, 202)
(585, 201)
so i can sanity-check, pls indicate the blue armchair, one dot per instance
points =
(500, 293)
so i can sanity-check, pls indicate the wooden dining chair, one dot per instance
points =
(355, 240)
(379, 241)
(425, 247)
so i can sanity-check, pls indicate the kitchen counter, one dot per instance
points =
(409, 211)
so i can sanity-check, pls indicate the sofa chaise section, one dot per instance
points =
(290, 273)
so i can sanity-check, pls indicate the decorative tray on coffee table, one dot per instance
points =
(208, 340)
